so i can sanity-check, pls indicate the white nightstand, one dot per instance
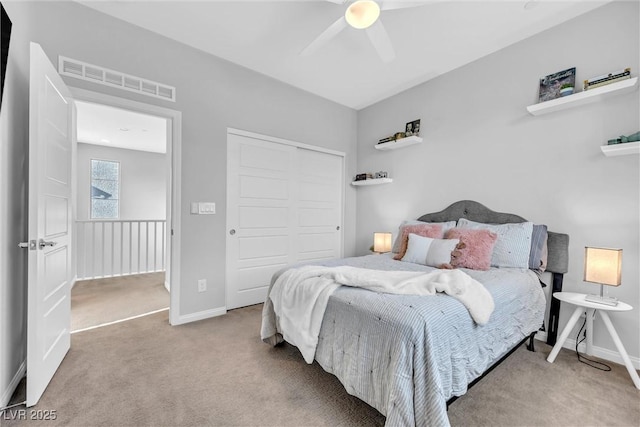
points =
(591, 307)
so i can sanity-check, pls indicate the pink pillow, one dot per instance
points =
(475, 248)
(425, 230)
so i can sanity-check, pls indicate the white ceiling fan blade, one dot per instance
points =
(404, 4)
(327, 35)
(381, 41)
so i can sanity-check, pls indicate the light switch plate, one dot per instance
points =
(203, 208)
(207, 208)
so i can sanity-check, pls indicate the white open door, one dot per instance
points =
(50, 219)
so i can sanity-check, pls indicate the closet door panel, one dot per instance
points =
(318, 205)
(260, 195)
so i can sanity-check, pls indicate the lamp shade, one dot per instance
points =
(603, 266)
(382, 242)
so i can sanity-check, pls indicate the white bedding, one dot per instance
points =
(300, 296)
(407, 355)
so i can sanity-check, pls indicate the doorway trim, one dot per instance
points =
(174, 162)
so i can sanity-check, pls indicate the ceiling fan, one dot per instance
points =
(364, 15)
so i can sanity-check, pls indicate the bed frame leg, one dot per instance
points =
(530, 345)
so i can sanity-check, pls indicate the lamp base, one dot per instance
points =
(602, 300)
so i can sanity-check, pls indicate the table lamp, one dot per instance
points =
(382, 242)
(603, 266)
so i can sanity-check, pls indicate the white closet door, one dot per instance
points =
(318, 205)
(260, 196)
(284, 205)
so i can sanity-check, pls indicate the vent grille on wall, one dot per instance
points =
(93, 73)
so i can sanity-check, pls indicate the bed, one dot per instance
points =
(410, 356)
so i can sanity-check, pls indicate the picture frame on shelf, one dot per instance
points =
(412, 128)
(551, 85)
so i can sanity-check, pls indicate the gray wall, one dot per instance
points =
(481, 144)
(143, 181)
(212, 94)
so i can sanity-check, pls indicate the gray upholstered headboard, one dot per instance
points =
(558, 243)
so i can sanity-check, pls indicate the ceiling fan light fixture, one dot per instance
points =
(362, 14)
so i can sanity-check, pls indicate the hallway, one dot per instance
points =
(99, 301)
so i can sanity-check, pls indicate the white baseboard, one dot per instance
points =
(601, 352)
(200, 315)
(167, 286)
(6, 395)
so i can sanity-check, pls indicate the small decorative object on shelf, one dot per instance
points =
(387, 139)
(624, 139)
(364, 176)
(381, 174)
(607, 79)
(551, 85)
(412, 128)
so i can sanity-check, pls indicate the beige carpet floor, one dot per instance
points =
(94, 302)
(217, 372)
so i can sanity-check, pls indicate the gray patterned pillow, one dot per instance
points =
(513, 246)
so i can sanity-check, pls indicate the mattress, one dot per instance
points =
(407, 355)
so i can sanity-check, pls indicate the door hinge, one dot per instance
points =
(31, 244)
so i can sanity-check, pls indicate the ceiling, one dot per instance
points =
(115, 127)
(267, 36)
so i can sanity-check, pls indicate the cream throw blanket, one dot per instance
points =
(300, 296)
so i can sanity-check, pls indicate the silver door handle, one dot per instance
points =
(42, 244)
(232, 231)
(31, 245)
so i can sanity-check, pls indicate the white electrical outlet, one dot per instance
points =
(202, 285)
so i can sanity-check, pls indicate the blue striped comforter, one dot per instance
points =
(407, 355)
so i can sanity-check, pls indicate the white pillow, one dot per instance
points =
(397, 243)
(513, 245)
(428, 251)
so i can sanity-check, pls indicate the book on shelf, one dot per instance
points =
(551, 85)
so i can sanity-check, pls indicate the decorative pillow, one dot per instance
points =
(475, 248)
(537, 256)
(396, 244)
(513, 245)
(424, 229)
(428, 251)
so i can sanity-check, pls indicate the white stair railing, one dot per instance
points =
(108, 248)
